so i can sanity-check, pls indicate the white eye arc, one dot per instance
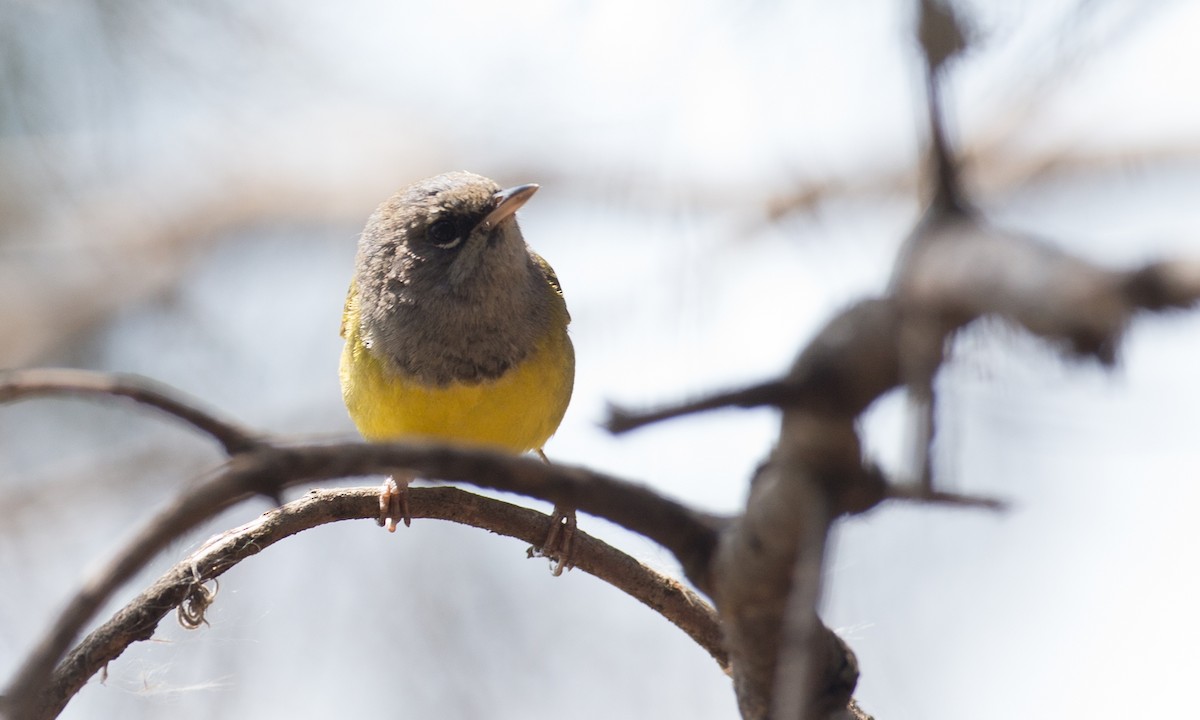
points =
(444, 234)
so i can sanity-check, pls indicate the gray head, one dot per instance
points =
(448, 288)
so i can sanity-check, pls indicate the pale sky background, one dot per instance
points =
(659, 132)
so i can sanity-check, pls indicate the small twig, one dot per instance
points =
(775, 393)
(852, 360)
(138, 619)
(1165, 285)
(38, 382)
(942, 37)
(922, 494)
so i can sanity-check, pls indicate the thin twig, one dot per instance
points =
(39, 382)
(920, 493)
(775, 393)
(852, 360)
(942, 37)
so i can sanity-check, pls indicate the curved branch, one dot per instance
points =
(138, 619)
(36, 382)
(269, 469)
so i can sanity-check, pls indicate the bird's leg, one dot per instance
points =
(559, 540)
(393, 501)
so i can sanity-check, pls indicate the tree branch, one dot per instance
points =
(139, 618)
(864, 337)
(767, 571)
(942, 37)
(268, 470)
(39, 382)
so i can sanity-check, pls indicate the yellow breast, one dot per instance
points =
(519, 411)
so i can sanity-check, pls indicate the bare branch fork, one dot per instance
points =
(261, 467)
(954, 269)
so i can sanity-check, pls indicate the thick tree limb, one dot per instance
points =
(953, 270)
(767, 574)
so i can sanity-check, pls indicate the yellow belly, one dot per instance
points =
(518, 411)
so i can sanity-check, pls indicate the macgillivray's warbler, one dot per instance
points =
(455, 329)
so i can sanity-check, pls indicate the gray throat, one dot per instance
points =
(441, 332)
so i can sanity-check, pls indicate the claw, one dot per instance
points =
(393, 502)
(560, 540)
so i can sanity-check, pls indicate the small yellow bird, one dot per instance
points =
(455, 329)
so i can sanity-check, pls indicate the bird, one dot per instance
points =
(456, 331)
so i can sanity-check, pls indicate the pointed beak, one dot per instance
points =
(507, 203)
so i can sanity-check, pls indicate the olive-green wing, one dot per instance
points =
(351, 298)
(551, 278)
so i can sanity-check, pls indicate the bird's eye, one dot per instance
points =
(444, 234)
